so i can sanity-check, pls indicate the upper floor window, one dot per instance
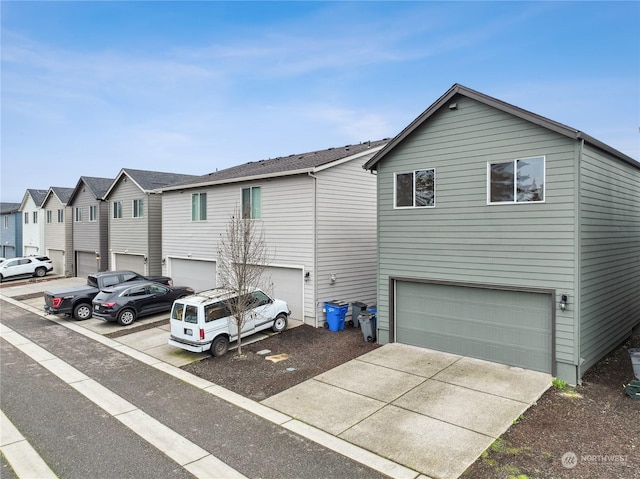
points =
(35, 217)
(77, 215)
(517, 181)
(49, 216)
(60, 216)
(117, 209)
(26, 218)
(251, 203)
(138, 209)
(93, 213)
(415, 189)
(5, 222)
(198, 207)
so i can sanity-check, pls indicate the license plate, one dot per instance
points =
(188, 332)
(96, 307)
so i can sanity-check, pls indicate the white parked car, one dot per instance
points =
(202, 322)
(37, 266)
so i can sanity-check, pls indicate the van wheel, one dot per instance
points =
(126, 317)
(280, 323)
(82, 311)
(220, 346)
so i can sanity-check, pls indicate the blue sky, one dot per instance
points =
(89, 88)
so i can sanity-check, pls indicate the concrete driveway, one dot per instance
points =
(430, 411)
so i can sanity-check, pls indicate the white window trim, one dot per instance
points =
(515, 182)
(113, 210)
(95, 217)
(413, 179)
(199, 219)
(133, 209)
(252, 210)
(77, 215)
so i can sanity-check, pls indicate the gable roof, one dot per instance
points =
(9, 208)
(97, 186)
(37, 196)
(283, 166)
(63, 194)
(458, 89)
(150, 181)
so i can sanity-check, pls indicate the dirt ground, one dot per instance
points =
(588, 432)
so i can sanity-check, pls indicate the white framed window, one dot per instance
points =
(516, 181)
(415, 189)
(252, 203)
(138, 209)
(49, 216)
(35, 217)
(26, 218)
(77, 215)
(60, 216)
(198, 207)
(117, 209)
(5, 222)
(93, 213)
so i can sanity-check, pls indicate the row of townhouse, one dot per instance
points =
(486, 231)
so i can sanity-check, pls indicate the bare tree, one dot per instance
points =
(243, 258)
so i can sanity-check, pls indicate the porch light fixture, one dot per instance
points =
(563, 302)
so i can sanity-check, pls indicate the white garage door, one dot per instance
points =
(30, 250)
(57, 258)
(199, 275)
(288, 284)
(505, 326)
(85, 264)
(131, 262)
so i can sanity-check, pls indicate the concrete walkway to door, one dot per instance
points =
(430, 411)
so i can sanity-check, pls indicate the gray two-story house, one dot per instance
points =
(10, 230)
(90, 225)
(506, 236)
(135, 219)
(317, 213)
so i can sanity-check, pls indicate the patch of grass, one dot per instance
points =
(559, 384)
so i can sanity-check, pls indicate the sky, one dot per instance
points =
(89, 88)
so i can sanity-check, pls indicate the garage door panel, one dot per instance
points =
(287, 284)
(511, 327)
(197, 274)
(129, 262)
(86, 264)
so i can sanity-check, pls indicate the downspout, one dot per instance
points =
(315, 255)
(577, 282)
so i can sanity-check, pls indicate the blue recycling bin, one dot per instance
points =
(336, 312)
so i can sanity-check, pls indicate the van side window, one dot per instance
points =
(191, 314)
(215, 311)
(176, 312)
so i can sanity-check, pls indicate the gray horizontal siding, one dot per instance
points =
(465, 240)
(610, 254)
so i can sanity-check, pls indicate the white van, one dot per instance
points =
(202, 322)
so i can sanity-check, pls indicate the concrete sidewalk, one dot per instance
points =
(430, 411)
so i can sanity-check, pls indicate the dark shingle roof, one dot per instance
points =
(152, 180)
(285, 164)
(98, 186)
(63, 194)
(38, 196)
(8, 208)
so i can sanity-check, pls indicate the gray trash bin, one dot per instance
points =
(356, 309)
(367, 322)
(635, 361)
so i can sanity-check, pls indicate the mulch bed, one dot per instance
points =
(310, 351)
(591, 431)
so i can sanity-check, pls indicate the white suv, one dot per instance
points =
(25, 266)
(202, 322)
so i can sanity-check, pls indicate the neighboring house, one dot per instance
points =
(33, 222)
(58, 229)
(90, 225)
(506, 236)
(10, 230)
(316, 210)
(135, 219)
